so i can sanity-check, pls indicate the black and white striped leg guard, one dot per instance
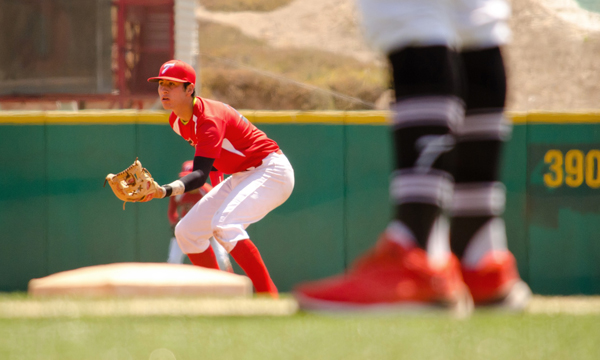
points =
(479, 196)
(428, 109)
(421, 187)
(419, 199)
(477, 226)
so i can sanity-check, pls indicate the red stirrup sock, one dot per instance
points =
(248, 258)
(205, 259)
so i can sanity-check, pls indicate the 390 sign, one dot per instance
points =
(572, 169)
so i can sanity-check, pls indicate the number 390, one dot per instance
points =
(573, 168)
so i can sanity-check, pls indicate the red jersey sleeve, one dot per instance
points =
(215, 177)
(209, 138)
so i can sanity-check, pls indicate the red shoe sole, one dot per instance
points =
(461, 308)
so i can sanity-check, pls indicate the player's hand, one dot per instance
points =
(158, 194)
(161, 192)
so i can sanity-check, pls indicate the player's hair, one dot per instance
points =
(185, 85)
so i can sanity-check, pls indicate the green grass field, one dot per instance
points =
(57, 333)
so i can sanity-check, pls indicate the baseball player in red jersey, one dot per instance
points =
(179, 206)
(261, 178)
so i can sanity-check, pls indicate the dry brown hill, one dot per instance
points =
(553, 63)
(552, 60)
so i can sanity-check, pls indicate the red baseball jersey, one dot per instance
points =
(220, 132)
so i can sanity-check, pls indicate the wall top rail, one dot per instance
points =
(120, 117)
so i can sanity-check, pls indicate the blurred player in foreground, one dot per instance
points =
(179, 206)
(448, 128)
(261, 176)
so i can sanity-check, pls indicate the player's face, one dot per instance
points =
(172, 94)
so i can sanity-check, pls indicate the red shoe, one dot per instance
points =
(495, 282)
(390, 278)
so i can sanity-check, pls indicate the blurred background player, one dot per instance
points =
(261, 178)
(179, 206)
(448, 129)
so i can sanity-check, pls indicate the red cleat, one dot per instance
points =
(495, 282)
(390, 279)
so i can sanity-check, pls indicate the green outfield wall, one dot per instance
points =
(55, 214)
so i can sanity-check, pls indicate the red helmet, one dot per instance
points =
(186, 168)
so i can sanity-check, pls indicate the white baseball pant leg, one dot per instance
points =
(392, 25)
(240, 200)
(175, 254)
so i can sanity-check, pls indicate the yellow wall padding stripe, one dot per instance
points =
(559, 118)
(84, 117)
(89, 117)
(22, 118)
(368, 117)
(317, 117)
(116, 117)
(156, 117)
(270, 117)
(517, 118)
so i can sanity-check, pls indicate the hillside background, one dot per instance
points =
(310, 54)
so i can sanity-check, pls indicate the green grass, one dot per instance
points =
(302, 336)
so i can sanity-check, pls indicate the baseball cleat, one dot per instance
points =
(390, 279)
(495, 283)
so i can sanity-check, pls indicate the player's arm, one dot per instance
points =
(193, 180)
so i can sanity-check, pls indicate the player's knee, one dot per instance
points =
(229, 232)
(426, 71)
(223, 232)
(219, 231)
(180, 232)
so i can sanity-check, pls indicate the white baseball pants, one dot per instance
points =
(392, 25)
(240, 200)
